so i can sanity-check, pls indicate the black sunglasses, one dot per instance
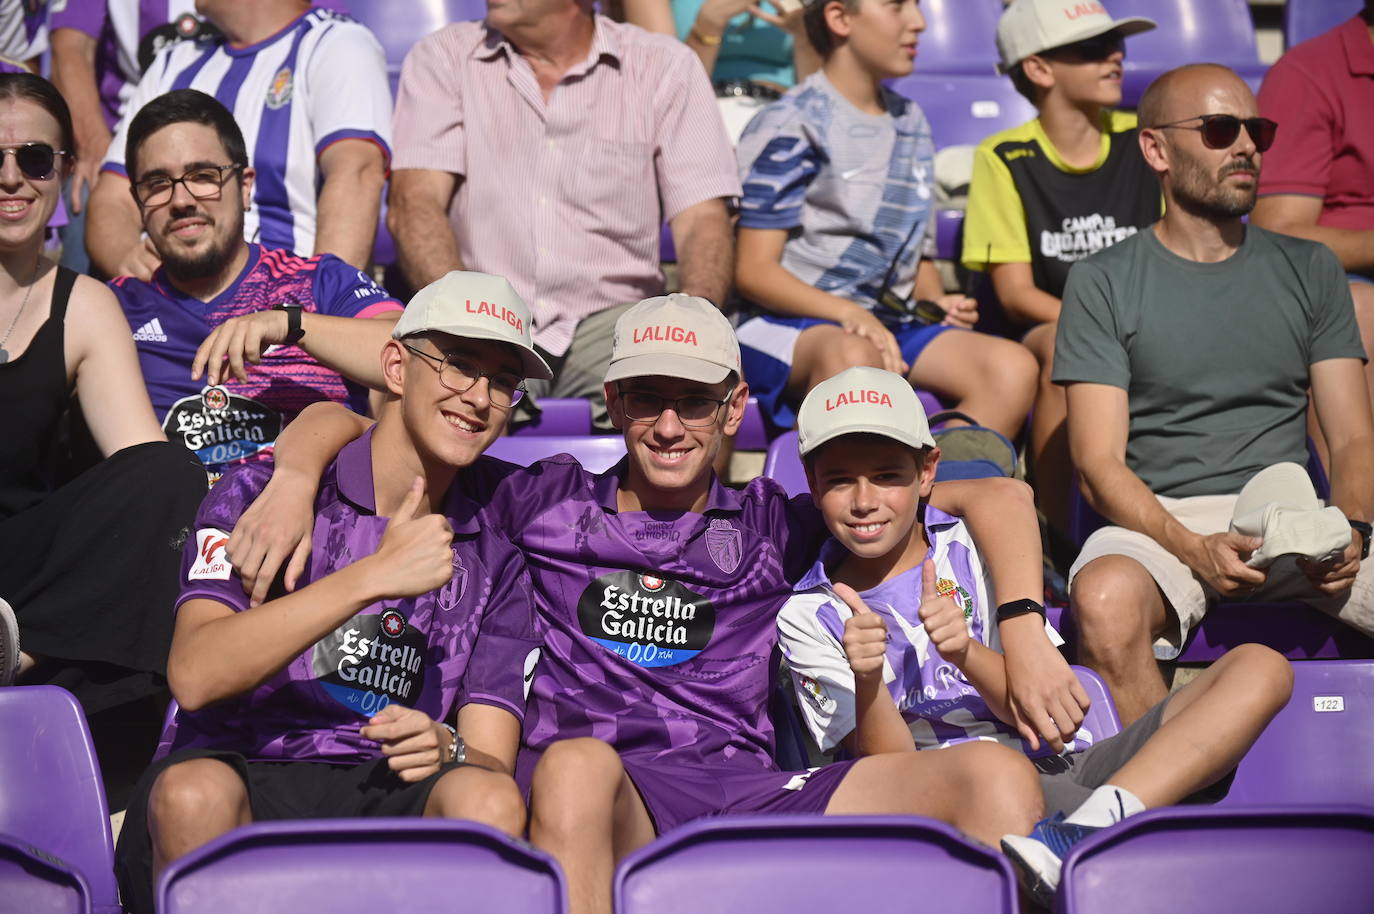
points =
(36, 160)
(1219, 131)
(1098, 47)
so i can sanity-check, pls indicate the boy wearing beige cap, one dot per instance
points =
(1048, 193)
(893, 643)
(341, 697)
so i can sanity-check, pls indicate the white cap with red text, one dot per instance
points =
(1031, 26)
(674, 336)
(862, 400)
(477, 306)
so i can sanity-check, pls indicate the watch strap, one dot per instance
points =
(1365, 529)
(1019, 608)
(294, 330)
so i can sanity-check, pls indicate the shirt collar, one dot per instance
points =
(606, 485)
(1359, 50)
(605, 42)
(353, 475)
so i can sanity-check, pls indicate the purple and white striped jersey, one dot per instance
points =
(320, 80)
(939, 705)
(239, 420)
(660, 631)
(23, 30)
(472, 640)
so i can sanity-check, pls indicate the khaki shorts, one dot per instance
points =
(1188, 598)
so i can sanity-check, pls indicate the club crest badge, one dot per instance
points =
(279, 93)
(725, 545)
(961, 597)
(451, 594)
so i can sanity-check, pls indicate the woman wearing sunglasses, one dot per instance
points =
(87, 566)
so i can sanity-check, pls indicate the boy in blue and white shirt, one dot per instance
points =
(891, 637)
(836, 233)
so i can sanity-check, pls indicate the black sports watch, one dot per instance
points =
(1365, 529)
(1019, 608)
(294, 330)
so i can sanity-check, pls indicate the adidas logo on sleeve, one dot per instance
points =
(150, 332)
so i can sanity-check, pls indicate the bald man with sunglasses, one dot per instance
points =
(1188, 351)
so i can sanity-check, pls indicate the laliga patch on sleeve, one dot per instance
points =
(211, 563)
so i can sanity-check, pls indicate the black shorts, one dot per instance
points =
(276, 790)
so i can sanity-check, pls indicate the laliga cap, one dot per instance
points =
(477, 306)
(676, 336)
(1280, 505)
(862, 400)
(1031, 26)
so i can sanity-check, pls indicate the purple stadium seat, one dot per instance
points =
(363, 866)
(964, 110)
(783, 464)
(34, 884)
(960, 36)
(753, 431)
(595, 452)
(1304, 19)
(1101, 720)
(787, 864)
(560, 416)
(1190, 31)
(1320, 747)
(1190, 860)
(398, 24)
(51, 796)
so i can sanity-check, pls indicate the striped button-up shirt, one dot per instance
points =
(564, 197)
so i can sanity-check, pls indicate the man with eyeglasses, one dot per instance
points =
(392, 680)
(1188, 351)
(234, 339)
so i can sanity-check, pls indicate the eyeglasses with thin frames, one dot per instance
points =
(1219, 131)
(692, 412)
(460, 375)
(203, 183)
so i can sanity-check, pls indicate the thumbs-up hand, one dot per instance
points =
(415, 555)
(944, 621)
(865, 635)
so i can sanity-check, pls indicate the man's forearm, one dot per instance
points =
(1352, 479)
(309, 444)
(350, 346)
(113, 228)
(706, 250)
(1000, 513)
(1354, 247)
(73, 73)
(424, 240)
(347, 210)
(1120, 496)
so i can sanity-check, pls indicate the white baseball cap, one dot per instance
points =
(862, 400)
(478, 306)
(1031, 26)
(1280, 505)
(676, 336)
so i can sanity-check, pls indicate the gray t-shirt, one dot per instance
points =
(1215, 357)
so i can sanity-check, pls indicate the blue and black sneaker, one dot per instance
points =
(1040, 855)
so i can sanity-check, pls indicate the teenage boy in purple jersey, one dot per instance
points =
(658, 589)
(892, 646)
(332, 700)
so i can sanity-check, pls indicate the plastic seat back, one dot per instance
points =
(964, 110)
(1190, 31)
(787, 864)
(35, 884)
(960, 36)
(1304, 19)
(363, 866)
(51, 795)
(560, 416)
(595, 452)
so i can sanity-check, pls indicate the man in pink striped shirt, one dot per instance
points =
(547, 145)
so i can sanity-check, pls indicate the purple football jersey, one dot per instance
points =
(660, 627)
(472, 640)
(241, 420)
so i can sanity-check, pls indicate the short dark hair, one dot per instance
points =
(1022, 83)
(45, 95)
(182, 106)
(817, 32)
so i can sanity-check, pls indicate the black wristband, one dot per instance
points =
(294, 330)
(1019, 608)
(1365, 529)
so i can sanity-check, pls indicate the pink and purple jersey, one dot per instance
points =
(660, 628)
(237, 421)
(472, 640)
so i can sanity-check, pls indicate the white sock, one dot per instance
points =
(1107, 805)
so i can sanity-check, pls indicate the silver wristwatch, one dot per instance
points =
(457, 749)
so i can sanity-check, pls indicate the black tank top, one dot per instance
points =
(33, 395)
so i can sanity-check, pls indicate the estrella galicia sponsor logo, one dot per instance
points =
(222, 427)
(648, 620)
(371, 661)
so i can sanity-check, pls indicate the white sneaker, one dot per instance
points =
(9, 645)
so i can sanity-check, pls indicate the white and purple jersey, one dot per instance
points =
(320, 80)
(241, 420)
(23, 30)
(660, 632)
(472, 640)
(935, 699)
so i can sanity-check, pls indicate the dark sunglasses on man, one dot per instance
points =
(1219, 131)
(36, 160)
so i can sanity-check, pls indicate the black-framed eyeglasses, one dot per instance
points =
(693, 412)
(1219, 131)
(36, 160)
(204, 183)
(459, 374)
(1098, 47)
